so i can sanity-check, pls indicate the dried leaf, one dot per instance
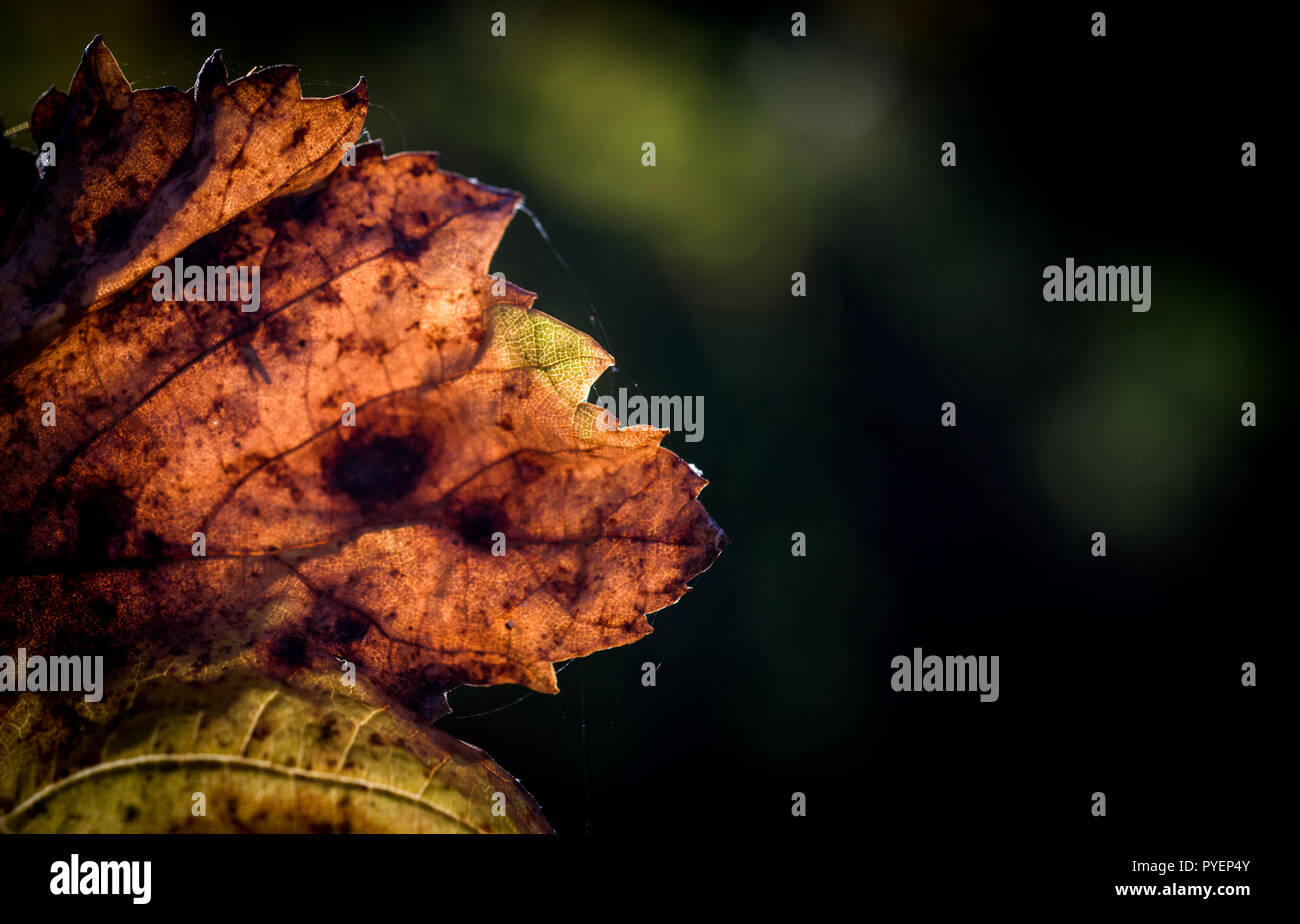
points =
(371, 543)
(139, 175)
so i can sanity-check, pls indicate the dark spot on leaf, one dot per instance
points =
(151, 544)
(379, 470)
(350, 628)
(290, 650)
(104, 517)
(410, 248)
(529, 471)
(478, 521)
(567, 592)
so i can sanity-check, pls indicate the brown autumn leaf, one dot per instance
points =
(370, 543)
(140, 175)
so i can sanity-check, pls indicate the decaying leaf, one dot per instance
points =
(245, 754)
(139, 175)
(370, 542)
(389, 463)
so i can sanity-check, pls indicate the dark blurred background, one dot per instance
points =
(821, 155)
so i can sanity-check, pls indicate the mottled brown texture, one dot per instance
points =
(140, 175)
(370, 543)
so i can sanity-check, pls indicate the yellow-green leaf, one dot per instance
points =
(244, 754)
